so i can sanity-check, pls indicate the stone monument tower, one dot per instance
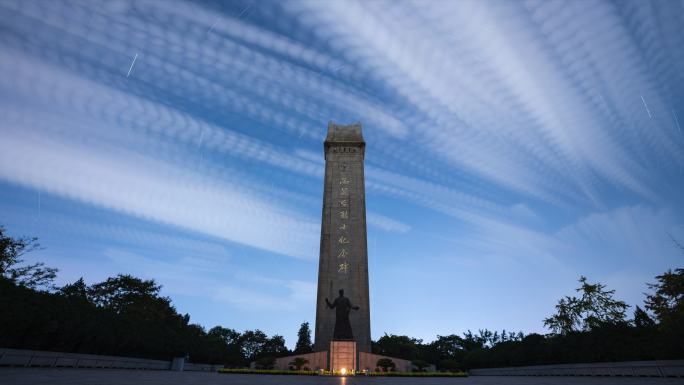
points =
(343, 340)
(342, 308)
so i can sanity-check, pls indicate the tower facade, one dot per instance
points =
(342, 306)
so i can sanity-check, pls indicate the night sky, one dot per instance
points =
(512, 146)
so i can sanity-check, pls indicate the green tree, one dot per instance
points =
(420, 364)
(275, 346)
(133, 297)
(229, 340)
(77, 290)
(472, 341)
(267, 362)
(33, 276)
(385, 364)
(304, 344)
(123, 316)
(225, 335)
(448, 347)
(123, 292)
(642, 319)
(568, 311)
(252, 343)
(667, 300)
(449, 364)
(398, 346)
(298, 362)
(595, 308)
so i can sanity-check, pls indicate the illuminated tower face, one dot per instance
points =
(343, 263)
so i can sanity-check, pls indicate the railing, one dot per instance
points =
(37, 358)
(665, 368)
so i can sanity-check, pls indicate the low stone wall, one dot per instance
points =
(368, 361)
(190, 367)
(317, 360)
(668, 368)
(37, 358)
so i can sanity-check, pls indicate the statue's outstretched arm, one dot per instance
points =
(330, 305)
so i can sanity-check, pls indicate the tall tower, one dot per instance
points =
(343, 262)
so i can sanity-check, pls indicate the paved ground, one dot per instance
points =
(38, 376)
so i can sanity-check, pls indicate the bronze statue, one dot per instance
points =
(343, 305)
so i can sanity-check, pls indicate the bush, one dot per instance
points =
(265, 363)
(298, 362)
(386, 364)
(450, 365)
(420, 365)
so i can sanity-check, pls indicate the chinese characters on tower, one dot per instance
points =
(342, 226)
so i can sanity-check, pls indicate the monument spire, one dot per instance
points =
(343, 261)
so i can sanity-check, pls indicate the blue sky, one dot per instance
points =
(511, 147)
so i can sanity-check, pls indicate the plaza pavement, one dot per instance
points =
(50, 376)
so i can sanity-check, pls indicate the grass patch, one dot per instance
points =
(267, 371)
(317, 373)
(417, 374)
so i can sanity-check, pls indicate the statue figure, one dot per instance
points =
(343, 305)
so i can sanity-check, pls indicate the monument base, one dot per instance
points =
(316, 361)
(368, 362)
(343, 357)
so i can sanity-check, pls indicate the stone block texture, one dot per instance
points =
(369, 361)
(343, 356)
(317, 361)
(343, 261)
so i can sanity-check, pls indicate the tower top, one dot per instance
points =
(341, 133)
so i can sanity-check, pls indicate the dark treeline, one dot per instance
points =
(446, 352)
(127, 316)
(590, 327)
(123, 316)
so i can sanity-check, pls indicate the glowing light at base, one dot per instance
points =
(343, 371)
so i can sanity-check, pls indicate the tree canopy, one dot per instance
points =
(304, 344)
(33, 276)
(299, 362)
(386, 364)
(593, 309)
(123, 315)
(667, 299)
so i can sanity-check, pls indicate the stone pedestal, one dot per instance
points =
(343, 356)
